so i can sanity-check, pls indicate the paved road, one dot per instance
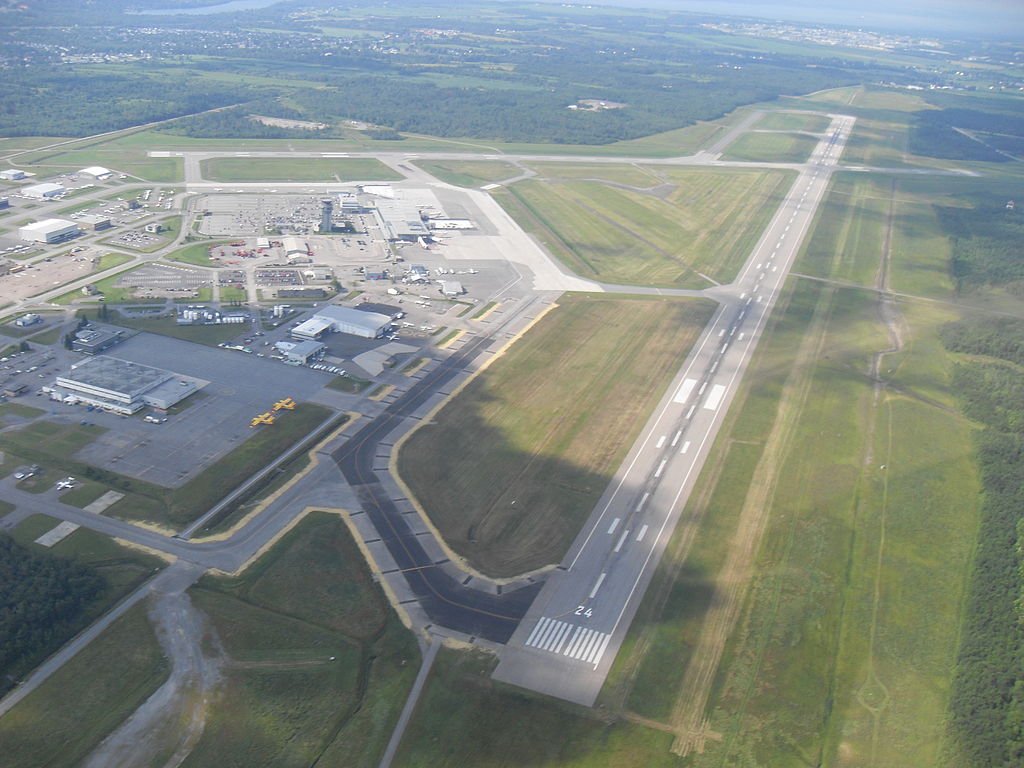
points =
(573, 631)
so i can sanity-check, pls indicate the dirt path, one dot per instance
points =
(688, 720)
(175, 715)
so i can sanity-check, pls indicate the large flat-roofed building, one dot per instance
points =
(43, 191)
(121, 386)
(92, 341)
(49, 231)
(12, 174)
(94, 221)
(368, 325)
(400, 220)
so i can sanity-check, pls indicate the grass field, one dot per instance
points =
(229, 169)
(132, 162)
(771, 148)
(58, 724)
(211, 335)
(469, 174)
(196, 253)
(698, 234)
(547, 432)
(845, 513)
(465, 719)
(630, 175)
(286, 701)
(792, 121)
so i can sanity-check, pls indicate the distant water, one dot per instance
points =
(233, 5)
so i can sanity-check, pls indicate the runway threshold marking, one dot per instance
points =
(714, 397)
(572, 640)
(683, 393)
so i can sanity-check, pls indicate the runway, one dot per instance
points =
(570, 636)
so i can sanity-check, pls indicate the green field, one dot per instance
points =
(547, 432)
(465, 719)
(132, 162)
(196, 253)
(58, 724)
(846, 514)
(469, 174)
(285, 700)
(630, 175)
(230, 169)
(792, 121)
(771, 148)
(697, 234)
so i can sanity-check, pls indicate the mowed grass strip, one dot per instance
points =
(630, 175)
(771, 148)
(228, 169)
(697, 234)
(510, 469)
(793, 121)
(469, 173)
(318, 664)
(465, 720)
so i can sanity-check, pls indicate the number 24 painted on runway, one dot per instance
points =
(584, 611)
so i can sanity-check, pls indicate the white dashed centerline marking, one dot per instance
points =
(597, 586)
(613, 526)
(640, 536)
(686, 447)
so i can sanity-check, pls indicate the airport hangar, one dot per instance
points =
(121, 386)
(368, 325)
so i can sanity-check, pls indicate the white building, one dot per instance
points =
(96, 172)
(452, 288)
(12, 174)
(121, 386)
(49, 231)
(368, 325)
(43, 191)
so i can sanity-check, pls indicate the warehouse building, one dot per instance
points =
(120, 386)
(368, 325)
(96, 172)
(295, 246)
(301, 353)
(43, 191)
(400, 220)
(452, 288)
(49, 231)
(92, 341)
(94, 221)
(12, 174)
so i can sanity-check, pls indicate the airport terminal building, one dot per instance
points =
(120, 386)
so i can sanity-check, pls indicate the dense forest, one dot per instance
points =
(987, 702)
(986, 240)
(41, 597)
(62, 102)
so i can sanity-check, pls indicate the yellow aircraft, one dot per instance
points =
(263, 418)
(286, 403)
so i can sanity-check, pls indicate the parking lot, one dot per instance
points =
(240, 387)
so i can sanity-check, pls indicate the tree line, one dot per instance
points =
(987, 698)
(41, 599)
